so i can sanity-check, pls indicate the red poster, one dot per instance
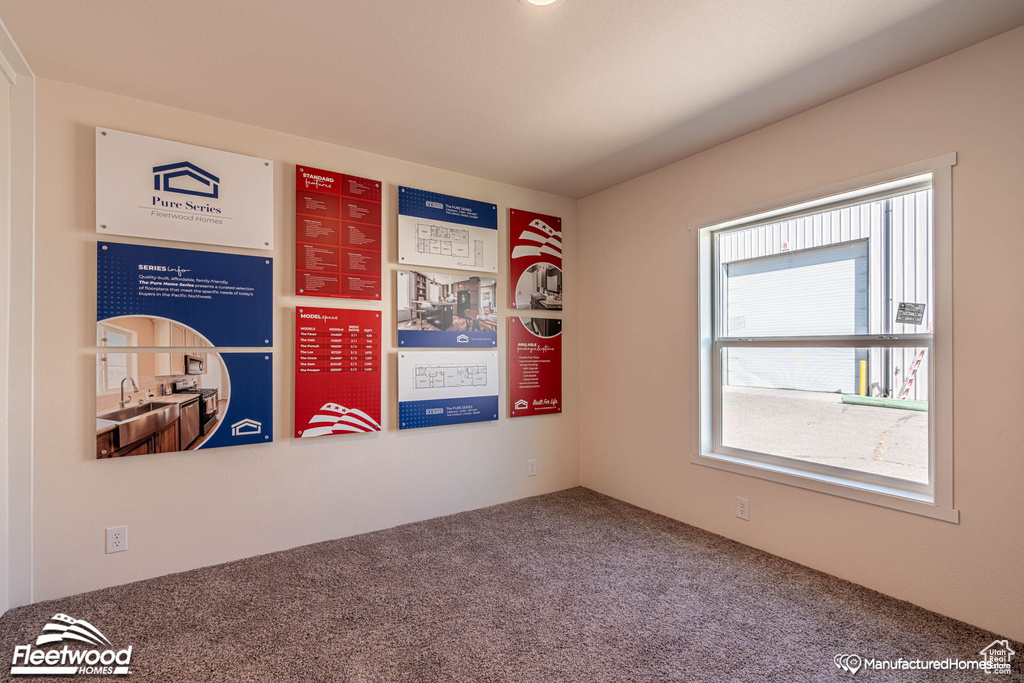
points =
(337, 371)
(535, 259)
(534, 366)
(337, 235)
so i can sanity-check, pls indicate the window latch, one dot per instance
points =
(887, 336)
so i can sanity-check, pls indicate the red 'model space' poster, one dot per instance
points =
(337, 371)
(534, 366)
(337, 235)
(535, 260)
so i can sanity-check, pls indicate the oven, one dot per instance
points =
(208, 409)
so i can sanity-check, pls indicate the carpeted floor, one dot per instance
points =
(572, 586)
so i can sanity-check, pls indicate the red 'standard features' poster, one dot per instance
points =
(337, 235)
(337, 371)
(534, 366)
(535, 260)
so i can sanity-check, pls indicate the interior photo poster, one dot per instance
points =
(534, 366)
(437, 388)
(446, 310)
(442, 231)
(535, 260)
(337, 235)
(337, 371)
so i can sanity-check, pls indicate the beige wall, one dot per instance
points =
(635, 390)
(192, 509)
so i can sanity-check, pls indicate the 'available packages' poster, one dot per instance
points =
(535, 260)
(337, 371)
(534, 366)
(337, 235)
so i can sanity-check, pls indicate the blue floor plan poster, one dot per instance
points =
(209, 299)
(446, 388)
(446, 232)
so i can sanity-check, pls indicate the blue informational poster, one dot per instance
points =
(446, 232)
(215, 299)
(249, 412)
(145, 406)
(438, 388)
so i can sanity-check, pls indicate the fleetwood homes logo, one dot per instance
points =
(185, 177)
(100, 660)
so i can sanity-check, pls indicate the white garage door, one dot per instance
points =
(811, 292)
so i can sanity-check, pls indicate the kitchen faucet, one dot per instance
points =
(135, 387)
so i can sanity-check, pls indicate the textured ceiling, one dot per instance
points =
(568, 99)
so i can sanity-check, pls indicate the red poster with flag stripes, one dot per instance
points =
(337, 371)
(535, 257)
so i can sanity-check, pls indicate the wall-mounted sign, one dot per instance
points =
(208, 299)
(148, 187)
(446, 388)
(910, 314)
(337, 234)
(142, 407)
(534, 366)
(442, 231)
(337, 371)
(440, 310)
(535, 259)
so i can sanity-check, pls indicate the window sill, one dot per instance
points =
(872, 494)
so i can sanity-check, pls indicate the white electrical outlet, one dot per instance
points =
(531, 468)
(117, 539)
(743, 508)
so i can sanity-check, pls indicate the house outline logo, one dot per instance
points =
(246, 427)
(997, 656)
(164, 178)
(462, 339)
(521, 404)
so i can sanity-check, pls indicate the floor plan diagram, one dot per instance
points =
(449, 376)
(441, 240)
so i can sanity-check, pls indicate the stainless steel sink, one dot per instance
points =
(138, 422)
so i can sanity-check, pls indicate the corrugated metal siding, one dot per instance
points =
(907, 218)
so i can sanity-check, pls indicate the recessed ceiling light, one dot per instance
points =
(539, 3)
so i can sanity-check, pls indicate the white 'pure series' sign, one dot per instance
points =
(148, 187)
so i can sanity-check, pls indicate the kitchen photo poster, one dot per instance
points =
(534, 366)
(444, 310)
(155, 296)
(337, 235)
(438, 388)
(145, 405)
(535, 260)
(337, 371)
(442, 231)
(161, 189)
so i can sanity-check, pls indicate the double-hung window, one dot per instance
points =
(823, 359)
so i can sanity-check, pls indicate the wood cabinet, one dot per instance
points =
(105, 445)
(164, 441)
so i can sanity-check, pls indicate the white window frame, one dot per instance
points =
(932, 500)
(131, 358)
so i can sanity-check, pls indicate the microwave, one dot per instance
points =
(193, 365)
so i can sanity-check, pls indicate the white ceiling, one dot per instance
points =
(568, 99)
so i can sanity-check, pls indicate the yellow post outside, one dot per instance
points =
(863, 378)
